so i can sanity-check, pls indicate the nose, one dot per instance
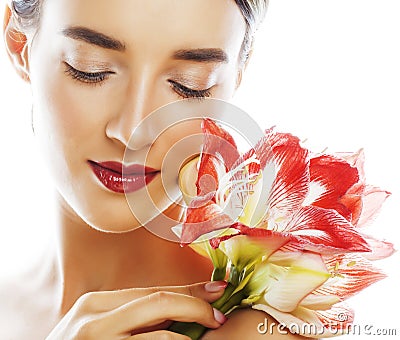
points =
(129, 126)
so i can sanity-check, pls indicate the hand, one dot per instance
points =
(140, 313)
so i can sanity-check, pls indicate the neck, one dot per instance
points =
(91, 260)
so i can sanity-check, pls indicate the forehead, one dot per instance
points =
(166, 23)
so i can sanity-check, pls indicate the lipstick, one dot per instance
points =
(120, 178)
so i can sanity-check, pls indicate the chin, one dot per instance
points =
(114, 227)
(112, 220)
(102, 215)
(109, 212)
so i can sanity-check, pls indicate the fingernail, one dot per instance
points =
(215, 286)
(219, 317)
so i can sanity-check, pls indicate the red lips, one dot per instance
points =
(120, 178)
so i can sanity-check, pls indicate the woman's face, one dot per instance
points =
(99, 67)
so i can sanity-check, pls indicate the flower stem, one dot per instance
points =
(225, 297)
(218, 274)
(233, 301)
(225, 303)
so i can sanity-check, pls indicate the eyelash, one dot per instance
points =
(86, 77)
(98, 77)
(186, 92)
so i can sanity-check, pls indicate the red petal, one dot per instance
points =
(215, 242)
(351, 274)
(210, 128)
(326, 228)
(268, 239)
(259, 232)
(336, 176)
(369, 201)
(208, 176)
(286, 176)
(263, 152)
(253, 168)
(351, 207)
(219, 149)
(291, 183)
(364, 201)
(202, 217)
(356, 160)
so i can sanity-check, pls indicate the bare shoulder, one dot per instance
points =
(11, 311)
(250, 324)
(22, 309)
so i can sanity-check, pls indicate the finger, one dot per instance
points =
(208, 291)
(107, 300)
(159, 327)
(159, 335)
(159, 307)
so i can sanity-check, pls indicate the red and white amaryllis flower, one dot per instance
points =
(283, 226)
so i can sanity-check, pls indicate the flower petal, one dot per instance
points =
(337, 320)
(319, 302)
(211, 170)
(369, 199)
(250, 245)
(219, 142)
(268, 240)
(262, 277)
(203, 216)
(351, 273)
(285, 174)
(262, 151)
(336, 176)
(219, 150)
(324, 228)
(379, 249)
(356, 160)
(306, 273)
(241, 251)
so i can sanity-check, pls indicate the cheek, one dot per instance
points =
(177, 143)
(68, 112)
(70, 125)
(65, 125)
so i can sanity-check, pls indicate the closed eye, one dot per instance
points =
(86, 77)
(186, 92)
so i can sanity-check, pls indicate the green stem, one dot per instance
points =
(225, 303)
(225, 297)
(218, 274)
(233, 301)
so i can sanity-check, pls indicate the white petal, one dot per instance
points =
(307, 273)
(319, 302)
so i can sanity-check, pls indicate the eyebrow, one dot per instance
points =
(202, 55)
(99, 39)
(93, 37)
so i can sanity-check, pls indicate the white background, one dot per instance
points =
(327, 71)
